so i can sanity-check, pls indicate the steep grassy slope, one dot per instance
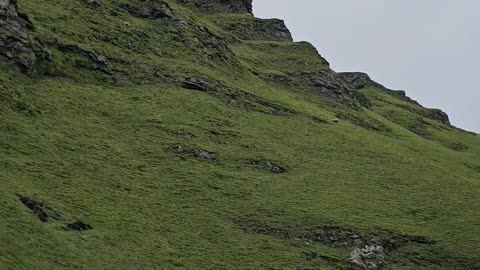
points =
(271, 163)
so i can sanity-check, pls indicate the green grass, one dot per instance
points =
(101, 154)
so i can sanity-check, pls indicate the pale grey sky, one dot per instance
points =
(430, 48)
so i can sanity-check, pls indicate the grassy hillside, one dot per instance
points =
(171, 142)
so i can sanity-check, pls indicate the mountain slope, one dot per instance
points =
(191, 135)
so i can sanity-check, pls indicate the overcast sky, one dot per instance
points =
(430, 48)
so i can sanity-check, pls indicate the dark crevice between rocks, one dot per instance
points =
(39, 209)
(235, 98)
(194, 152)
(269, 166)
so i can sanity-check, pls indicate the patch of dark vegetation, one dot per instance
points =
(235, 98)
(268, 166)
(314, 256)
(93, 4)
(319, 120)
(366, 123)
(79, 226)
(197, 153)
(91, 60)
(39, 209)
(458, 146)
(420, 127)
(25, 109)
(70, 61)
(474, 167)
(252, 226)
(149, 9)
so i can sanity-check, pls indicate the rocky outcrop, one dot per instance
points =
(359, 80)
(328, 83)
(149, 9)
(238, 6)
(258, 29)
(15, 43)
(231, 6)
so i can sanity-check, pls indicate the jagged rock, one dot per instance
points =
(368, 251)
(15, 43)
(232, 6)
(238, 6)
(258, 29)
(198, 84)
(329, 84)
(95, 61)
(359, 80)
(369, 256)
(204, 43)
(439, 115)
(149, 9)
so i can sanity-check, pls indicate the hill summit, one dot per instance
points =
(188, 134)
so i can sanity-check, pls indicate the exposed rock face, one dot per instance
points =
(259, 29)
(149, 9)
(359, 80)
(232, 6)
(14, 40)
(439, 115)
(197, 84)
(239, 6)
